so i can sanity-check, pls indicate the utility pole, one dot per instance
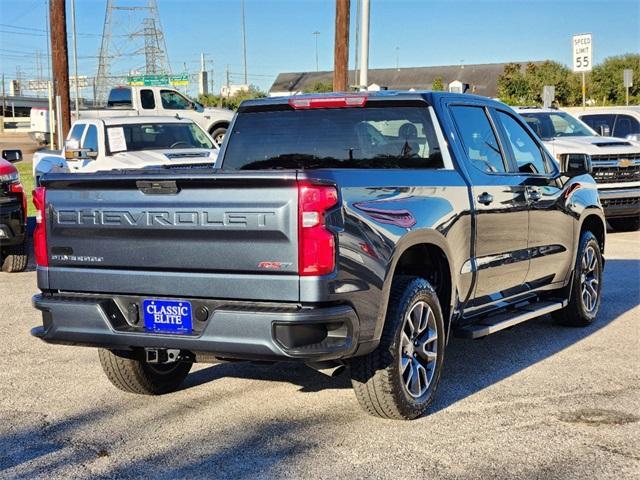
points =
(341, 48)
(316, 33)
(364, 51)
(244, 44)
(398, 58)
(75, 55)
(60, 62)
(4, 98)
(227, 75)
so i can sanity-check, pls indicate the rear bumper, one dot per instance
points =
(620, 202)
(249, 332)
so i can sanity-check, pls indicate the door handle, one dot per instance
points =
(485, 198)
(534, 195)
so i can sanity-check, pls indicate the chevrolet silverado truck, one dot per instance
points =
(163, 101)
(339, 230)
(616, 162)
(14, 255)
(120, 143)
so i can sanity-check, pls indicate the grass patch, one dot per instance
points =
(26, 177)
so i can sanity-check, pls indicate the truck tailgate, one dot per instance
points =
(171, 230)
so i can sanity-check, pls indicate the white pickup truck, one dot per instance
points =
(162, 101)
(99, 144)
(615, 161)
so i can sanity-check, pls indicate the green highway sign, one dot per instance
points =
(158, 80)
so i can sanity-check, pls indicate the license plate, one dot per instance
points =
(167, 316)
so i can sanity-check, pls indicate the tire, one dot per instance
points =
(16, 258)
(218, 134)
(381, 385)
(138, 376)
(582, 309)
(628, 224)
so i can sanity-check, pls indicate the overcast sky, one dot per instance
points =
(280, 33)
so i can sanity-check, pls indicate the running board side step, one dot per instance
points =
(500, 321)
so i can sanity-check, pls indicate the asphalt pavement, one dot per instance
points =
(535, 401)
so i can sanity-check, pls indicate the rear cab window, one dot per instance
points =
(380, 135)
(626, 125)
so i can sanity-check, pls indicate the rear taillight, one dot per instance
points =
(19, 191)
(316, 243)
(40, 233)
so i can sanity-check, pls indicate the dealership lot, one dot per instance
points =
(537, 401)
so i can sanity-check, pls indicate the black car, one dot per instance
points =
(13, 215)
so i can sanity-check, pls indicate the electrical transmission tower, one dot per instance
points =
(132, 43)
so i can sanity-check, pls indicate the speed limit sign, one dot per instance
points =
(582, 52)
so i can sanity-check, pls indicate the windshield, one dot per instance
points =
(550, 125)
(373, 137)
(156, 136)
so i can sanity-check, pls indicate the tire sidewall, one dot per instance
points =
(418, 289)
(587, 239)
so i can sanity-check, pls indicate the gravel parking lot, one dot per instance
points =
(536, 401)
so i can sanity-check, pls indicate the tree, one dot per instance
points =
(437, 86)
(512, 85)
(607, 87)
(319, 87)
(232, 102)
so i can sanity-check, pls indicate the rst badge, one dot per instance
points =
(167, 316)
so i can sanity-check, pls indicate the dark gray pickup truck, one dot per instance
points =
(337, 230)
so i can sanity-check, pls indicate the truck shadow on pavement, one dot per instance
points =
(470, 365)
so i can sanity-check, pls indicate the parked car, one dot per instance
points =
(361, 230)
(162, 101)
(116, 143)
(13, 215)
(619, 122)
(616, 162)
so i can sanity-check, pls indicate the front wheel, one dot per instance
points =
(629, 224)
(399, 379)
(586, 288)
(138, 376)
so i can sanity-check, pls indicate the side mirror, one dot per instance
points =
(575, 164)
(605, 131)
(12, 156)
(72, 151)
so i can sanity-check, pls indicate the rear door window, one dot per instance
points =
(147, 100)
(626, 125)
(478, 138)
(371, 137)
(599, 122)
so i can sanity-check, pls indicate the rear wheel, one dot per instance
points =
(138, 376)
(218, 134)
(399, 379)
(587, 285)
(629, 224)
(15, 257)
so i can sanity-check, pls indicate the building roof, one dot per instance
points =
(482, 78)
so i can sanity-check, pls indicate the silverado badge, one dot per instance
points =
(624, 163)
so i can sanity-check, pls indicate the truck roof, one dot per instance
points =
(429, 96)
(128, 120)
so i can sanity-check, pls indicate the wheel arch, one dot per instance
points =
(425, 254)
(218, 124)
(594, 221)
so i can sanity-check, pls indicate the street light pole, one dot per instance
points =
(316, 33)
(244, 44)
